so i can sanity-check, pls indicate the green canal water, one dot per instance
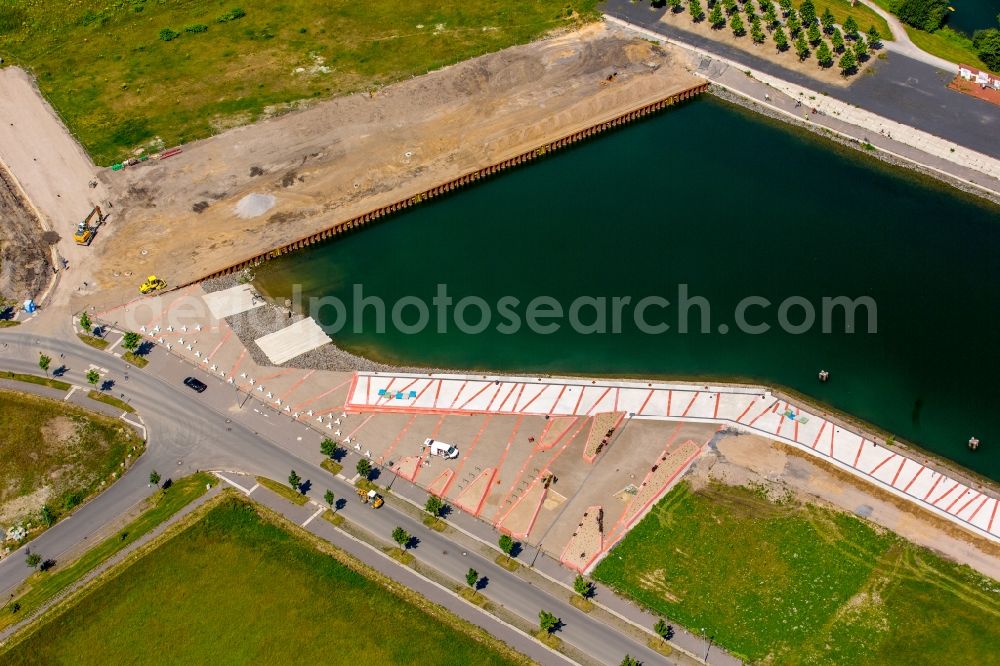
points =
(972, 15)
(733, 206)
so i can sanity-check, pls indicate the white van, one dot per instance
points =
(441, 449)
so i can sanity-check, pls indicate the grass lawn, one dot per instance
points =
(795, 583)
(33, 379)
(111, 400)
(118, 85)
(40, 587)
(237, 588)
(948, 44)
(284, 490)
(55, 454)
(864, 16)
(137, 361)
(93, 341)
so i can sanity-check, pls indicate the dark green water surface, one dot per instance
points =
(972, 15)
(731, 205)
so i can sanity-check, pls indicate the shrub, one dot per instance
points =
(167, 34)
(197, 27)
(924, 14)
(232, 15)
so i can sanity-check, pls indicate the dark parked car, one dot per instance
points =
(196, 384)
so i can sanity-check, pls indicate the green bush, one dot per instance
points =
(197, 27)
(232, 15)
(924, 14)
(167, 34)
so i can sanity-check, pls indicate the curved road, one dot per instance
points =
(903, 45)
(188, 432)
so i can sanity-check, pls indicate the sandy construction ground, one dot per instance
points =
(25, 260)
(178, 217)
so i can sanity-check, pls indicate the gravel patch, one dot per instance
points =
(254, 205)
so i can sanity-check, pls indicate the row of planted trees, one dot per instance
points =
(789, 28)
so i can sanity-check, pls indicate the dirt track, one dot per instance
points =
(25, 266)
(177, 217)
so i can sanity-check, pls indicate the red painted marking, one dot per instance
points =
(350, 389)
(591, 459)
(981, 505)
(576, 408)
(513, 387)
(644, 402)
(745, 411)
(503, 456)
(274, 376)
(598, 401)
(691, 404)
(946, 494)
(174, 303)
(955, 501)
(495, 396)
(617, 394)
(901, 463)
(833, 432)
(718, 399)
(468, 452)
(795, 436)
(766, 410)
(936, 481)
(876, 468)
(919, 472)
(857, 457)
(399, 437)
(404, 389)
(476, 395)
(996, 503)
(534, 516)
(387, 396)
(558, 398)
(818, 435)
(297, 384)
(781, 421)
(424, 390)
(474, 510)
(517, 399)
(426, 452)
(459, 394)
(221, 342)
(239, 361)
(324, 394)
(528, 404)
(437, 393)
(363, 423)
(670, 397)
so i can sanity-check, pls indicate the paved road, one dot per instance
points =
(901, 88)
(188, 432)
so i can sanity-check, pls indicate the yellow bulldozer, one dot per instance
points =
(151, 284)
(86, 230)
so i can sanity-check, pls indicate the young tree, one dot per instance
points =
(154, 478)
(364, 468)
(801, 47)
(44, 362)
(874, 38)
(736, 23)
(506, 545)
(848, 63)
(786, 7)
(547, 621)
(837, 40)
(814, 34)
(402, 537)
(329, 498)
(756, 33)
(987, 45)
(582, 586)
(851, 27)
(294, 480)
(751, 14)
(33, 560)
(827, 20)
(130, 341)
(716, 17)
(47, 516)
(85, 323)
(860, 49)
(629, 660)
(730, 6)
(780, 40)
(663, 630)
(434, 505)
(328, 447)
(770, 17)
(675, 6)
(93, 376)
(694, 7)
(823, 55)
(807, 10)
(471, 578)
(793, 24)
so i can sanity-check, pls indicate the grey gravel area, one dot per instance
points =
(729, 96)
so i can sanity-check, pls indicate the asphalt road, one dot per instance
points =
(189, 432)
(901, 89)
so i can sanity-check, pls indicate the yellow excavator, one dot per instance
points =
(86, 230)
(151, 284)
